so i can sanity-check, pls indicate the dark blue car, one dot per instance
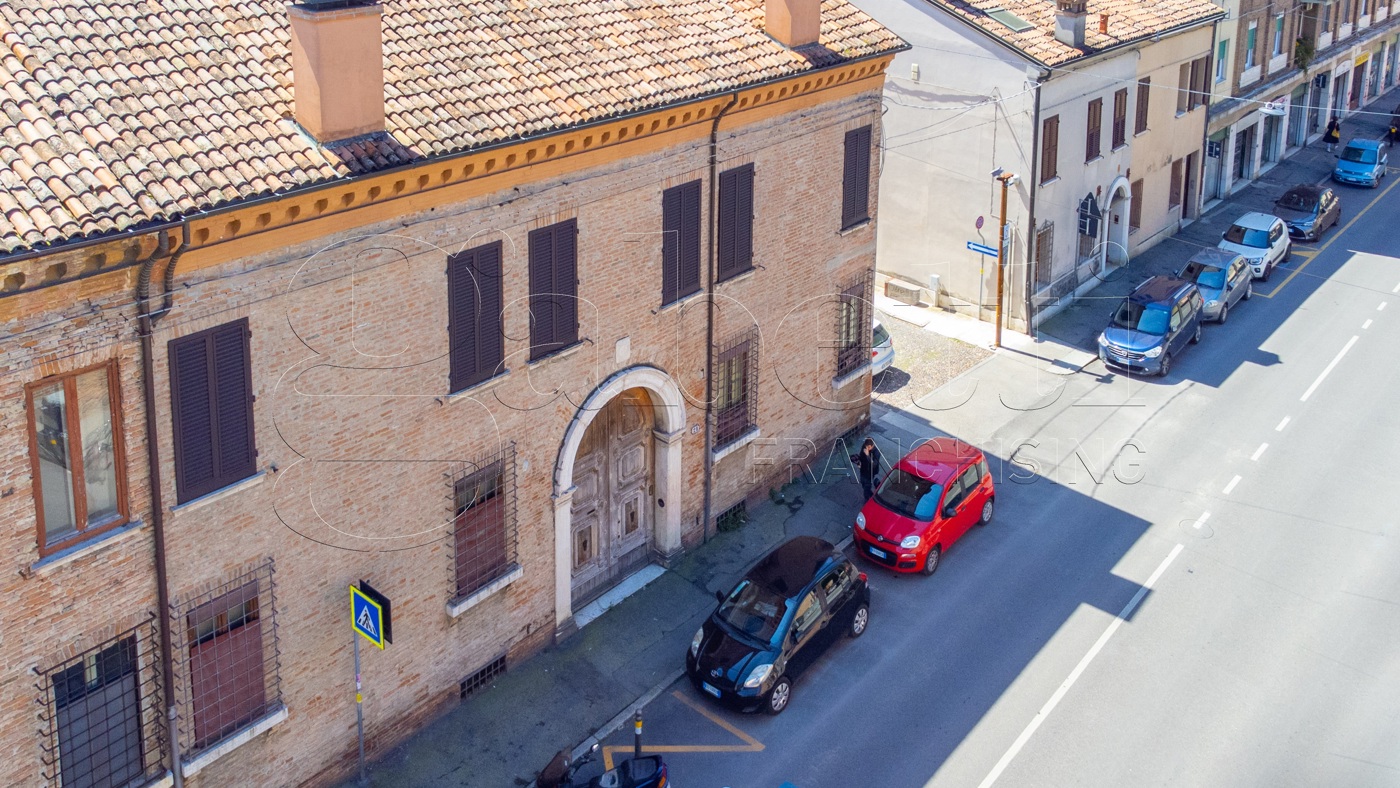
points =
(1152, 325)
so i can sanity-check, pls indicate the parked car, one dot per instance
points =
(1152, 325)
(1362, 162)
(1307, 210)
(881, 350)
(1223, 278)
(1263, 240)
(784, 614)
(930, 499)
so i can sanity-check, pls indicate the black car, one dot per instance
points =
(785, 613)
(1308, 209)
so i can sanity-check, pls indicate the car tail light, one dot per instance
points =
(863, 578)
(874, 353)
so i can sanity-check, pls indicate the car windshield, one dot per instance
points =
(1359, 155)
(1148, 320)
(882, 335)
(1297, 201)
(1205, 275)
(910, 496)
(1247, 236)
(753, 610)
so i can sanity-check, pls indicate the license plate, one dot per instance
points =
(712, 690)
(877, 552)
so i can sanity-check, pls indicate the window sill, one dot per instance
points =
(682, 301)
(1096, 158)
(1250, 75)
(1116, 148)
(222, 492)
(474, 389)
(195, 765)
(84, 548)
(1052, 180)
(850, 377)
(457, 607)
(1277, 63)
(563, 352)
(860, 225)
(165, 780)
(1140, 133)
(745, 274)
(735, 445)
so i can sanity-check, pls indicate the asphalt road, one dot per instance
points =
(1251, 490)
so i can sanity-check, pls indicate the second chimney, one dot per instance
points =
(1069, 21)
(338, 68)
(793, 23)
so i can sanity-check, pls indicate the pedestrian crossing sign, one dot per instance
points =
(368, 615)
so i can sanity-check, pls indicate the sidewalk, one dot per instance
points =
(589, 684)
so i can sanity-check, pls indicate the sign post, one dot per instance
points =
(370, 618)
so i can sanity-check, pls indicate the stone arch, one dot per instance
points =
(1120, 209)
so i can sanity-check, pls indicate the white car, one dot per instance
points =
(881, 350)
(1261, 239)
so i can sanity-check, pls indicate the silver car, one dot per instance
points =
(1224, 279)
(881, 350)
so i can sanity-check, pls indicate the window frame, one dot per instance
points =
(735, 388)
(1135, 192)
(1174, 189)
(1144, 94)
(1044, 268)
(185, 490)
(498, 472)
(1093, 135)
(1251, 47)
(1222, 53)
(1120, 118)
(855, 179)
(853, 345)
(77, 477)
(1277, 50)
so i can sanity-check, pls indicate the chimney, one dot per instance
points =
(337, 67)
(1069, 21)
(1103, 23)
(793, 23)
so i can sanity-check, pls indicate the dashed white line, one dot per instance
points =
(1329, 368)
(1282, 424)
(1077, 672)
(1366, 325)
(1395, 289)
(1201, 520)
(1381, 307)
(1257, 452)
(1231, 485)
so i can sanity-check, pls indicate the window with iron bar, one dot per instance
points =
(854, 325)
(100, 715)
(736, 387)
(483, 521)
(228, 664)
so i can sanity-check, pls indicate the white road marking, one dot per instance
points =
(1366, 325)
(1201, 520)
(1329, 368)
(1255, 457)
(1281, 425)
(1395, 289)
(1381, 308)
(1232, 484)
(1077, 672)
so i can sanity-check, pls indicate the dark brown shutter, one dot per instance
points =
(1135, 211)
(474, 293)
(1174, 196)
(680, 244)
(1092, 138)
(192, 412)
(233, 402)
(735, 221)
(1120, 118)
(855, 181)
(211, 392)
(1144, 92)
(1050, 148)
(553, 288)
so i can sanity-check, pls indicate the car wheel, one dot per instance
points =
(859, 621)
(1268, 272)
(1196, 337)
(931, 563)
(779, 697)
(1249, 290)
(1166, 365)
(987, 509)
(1224, 313)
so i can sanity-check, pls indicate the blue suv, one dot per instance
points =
(1153, 324)
(1362, 162)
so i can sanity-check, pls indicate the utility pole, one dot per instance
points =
(1008, 179)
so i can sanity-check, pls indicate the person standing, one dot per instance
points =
(1334, 134)
(1394, 129)
(868, 466)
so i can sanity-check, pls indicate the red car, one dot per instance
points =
(927, 502)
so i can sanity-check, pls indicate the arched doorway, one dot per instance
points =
(1119, 207)
(617, 485)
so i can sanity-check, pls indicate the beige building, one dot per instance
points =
(488, 310)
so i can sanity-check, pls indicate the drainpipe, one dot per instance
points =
(1034, 182)
(710, 307)
(146, 324)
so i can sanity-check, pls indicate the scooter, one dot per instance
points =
(647, 771)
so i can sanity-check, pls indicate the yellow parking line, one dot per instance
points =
(750, 743)
(1329, 242)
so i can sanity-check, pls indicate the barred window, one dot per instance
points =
(230, 662)
(1044, 254)
(483, 532)
(736, 388)
(100, 717)
(853, 326)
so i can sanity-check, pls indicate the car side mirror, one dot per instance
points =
(950, 511)
(1177, 273)
(1222, 235)
(719, 596)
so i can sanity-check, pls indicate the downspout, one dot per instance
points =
(146, 326)
(1034, 181)
(1197, 204)
(710, 308)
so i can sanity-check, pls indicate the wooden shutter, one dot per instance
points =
(1050, 148)
(855, 178)
(1174, 196)
(553, 288)
(212, 404)
(735, 221)
(680, 244)
(1093, 140)
(480, 529)
(1135, 212)
(1144, 92)
(474, 293)
(1120, 118)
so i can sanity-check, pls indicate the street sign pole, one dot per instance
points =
(1001, 261)
(359, 708)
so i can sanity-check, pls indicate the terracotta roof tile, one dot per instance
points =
(119, 112)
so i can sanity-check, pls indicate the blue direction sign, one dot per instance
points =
(982, 249)
(369, 614)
